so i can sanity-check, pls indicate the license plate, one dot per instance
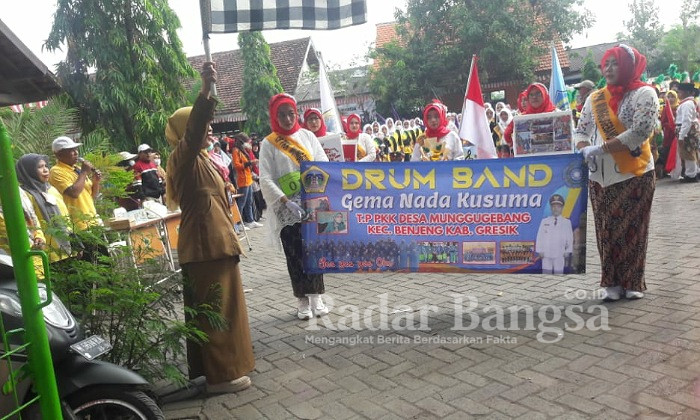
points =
(92, 347)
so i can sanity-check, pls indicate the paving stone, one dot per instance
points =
(645, 366)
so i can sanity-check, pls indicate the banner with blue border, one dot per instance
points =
(523, 215)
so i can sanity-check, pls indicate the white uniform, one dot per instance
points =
(686, 118)
(451, 142)
(555, 239)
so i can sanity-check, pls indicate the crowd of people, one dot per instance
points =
(615, 134)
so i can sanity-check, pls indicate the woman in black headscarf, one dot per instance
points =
(33, 176)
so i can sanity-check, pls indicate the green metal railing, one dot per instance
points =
(39, 367)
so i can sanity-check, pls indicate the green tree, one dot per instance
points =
(124, 66)
(438, 37)
(644, 30)
(681, 46)
(260, 81)
(591, 69)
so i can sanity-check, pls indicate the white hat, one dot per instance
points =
(64, 142)
(127, 155)
(143, 148)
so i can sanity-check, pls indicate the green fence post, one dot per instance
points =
(40, 364)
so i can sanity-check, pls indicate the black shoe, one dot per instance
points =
(688, 179)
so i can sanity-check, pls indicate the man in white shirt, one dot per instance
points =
(687, 130)
(555, 238)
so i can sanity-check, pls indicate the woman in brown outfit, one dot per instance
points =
(208, 248)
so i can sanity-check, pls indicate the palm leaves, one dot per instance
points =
(33, 130)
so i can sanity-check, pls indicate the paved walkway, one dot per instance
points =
(643, 363)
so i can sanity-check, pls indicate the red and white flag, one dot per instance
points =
(475, 126)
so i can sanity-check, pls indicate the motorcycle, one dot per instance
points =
(88, 388)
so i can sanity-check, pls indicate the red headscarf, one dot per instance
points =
(630, 66)
(275, 103)
(547, 105)
(321, 131)
(523, 95)
(353, 134)
(441, 109)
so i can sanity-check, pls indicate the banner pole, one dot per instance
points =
(205, 14)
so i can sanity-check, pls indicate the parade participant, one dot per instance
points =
(313, 121)
(49, 207)
(668, 127)
(79, 186)
(365, 151)
(208, 248)
(281, 155)
(538, 102)
(383, 131)
(522, 102)
(375, 128)
(451, 122)
(439, 142)
(555, 238)
(505, 118)
(620, 119)
(244, 176)
(390, 125)
(499, 107)
(493, 126)
(367, 129)
(688, 131)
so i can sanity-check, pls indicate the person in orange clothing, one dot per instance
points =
(243, 164)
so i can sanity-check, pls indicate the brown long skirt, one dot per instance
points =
(621, 212)
(228, 353)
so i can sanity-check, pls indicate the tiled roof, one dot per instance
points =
(386, 32)
(287, 56)
(578, 55)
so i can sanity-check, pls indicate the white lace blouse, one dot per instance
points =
(638, 112)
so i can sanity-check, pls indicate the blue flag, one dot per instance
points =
(557, 89)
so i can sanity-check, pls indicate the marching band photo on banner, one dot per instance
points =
(525, 215)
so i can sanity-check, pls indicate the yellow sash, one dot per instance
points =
(287, 145)
(360, 151)
(610, 127)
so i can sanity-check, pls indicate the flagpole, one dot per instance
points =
(469, 79)
(205, 13)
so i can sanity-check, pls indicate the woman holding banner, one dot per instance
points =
(537, 102)
(614, 132)
(439, 142)
(365, 151)
(313, 121)
(281, 155)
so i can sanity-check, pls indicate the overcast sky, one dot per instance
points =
(31, 21)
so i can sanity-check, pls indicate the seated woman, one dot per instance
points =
(439, 142)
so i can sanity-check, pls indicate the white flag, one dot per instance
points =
(328, 108)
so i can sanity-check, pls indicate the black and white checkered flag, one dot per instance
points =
(257, 15)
